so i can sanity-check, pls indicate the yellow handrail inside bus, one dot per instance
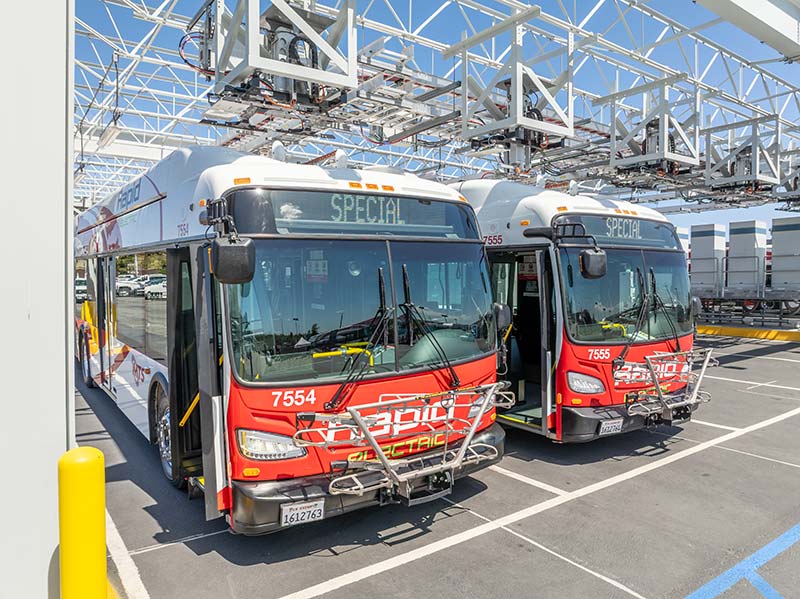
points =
(508, 333)
(188, 413)
(615, 325)
(345, 351)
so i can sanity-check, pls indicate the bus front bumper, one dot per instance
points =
(579, 425)
(257, 504)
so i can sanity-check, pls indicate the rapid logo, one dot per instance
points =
(128, 196)
(631, 372)
(395, 422)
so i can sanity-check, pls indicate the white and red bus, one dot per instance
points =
(603, 319)
(297, 342)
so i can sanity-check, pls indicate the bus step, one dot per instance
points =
(196, 486)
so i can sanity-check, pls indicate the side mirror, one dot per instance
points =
(233, 260)
(502, 316)
(593, 263)
(546, 232)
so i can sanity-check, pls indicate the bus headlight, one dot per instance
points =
(258, 445)
(583, 383)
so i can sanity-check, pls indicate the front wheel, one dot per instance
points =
(163, 436)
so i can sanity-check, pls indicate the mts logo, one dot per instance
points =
(139, 371)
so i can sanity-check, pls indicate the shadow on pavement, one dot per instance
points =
(135, 460)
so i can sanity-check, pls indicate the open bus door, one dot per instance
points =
(103, 324)
(182, 359)
(523, 279)
(210, 478)
(111, 355)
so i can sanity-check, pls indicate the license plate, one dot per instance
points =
(300, 513)
(610, 427)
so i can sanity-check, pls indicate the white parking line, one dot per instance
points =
(129, 576)
(718, 353)
(712, 425)
(564, 558)
(528, 481)
(442, 544)
(150, 548)
(760, 385)
(747, 453)
(772, 395)
(720, 378)
(760, 457)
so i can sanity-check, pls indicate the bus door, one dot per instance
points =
(212, 405)
(183, 371)
(548, 310)
(102, 321)
(519, 280)
(110, 355)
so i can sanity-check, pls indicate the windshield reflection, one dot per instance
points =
(314, 306)
(607, 309)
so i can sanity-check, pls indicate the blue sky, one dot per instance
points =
(449, 26)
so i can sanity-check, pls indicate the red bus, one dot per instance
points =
(602, 340)
(296, 342)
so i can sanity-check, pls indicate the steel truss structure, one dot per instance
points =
(618, 95)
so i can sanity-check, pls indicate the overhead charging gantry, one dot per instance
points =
(626, 103)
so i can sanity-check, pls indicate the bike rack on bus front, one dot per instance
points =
(684, 371)
(435, 415)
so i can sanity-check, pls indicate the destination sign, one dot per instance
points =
(349, 208)
(628, 231)
(624, 228)
(286, 211)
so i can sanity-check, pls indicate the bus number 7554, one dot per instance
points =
(293, 397)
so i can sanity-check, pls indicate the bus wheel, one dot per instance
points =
(793, 308)
(163, 436)
(86, 363)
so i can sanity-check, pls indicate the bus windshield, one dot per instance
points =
(606, 310)
(314, 305)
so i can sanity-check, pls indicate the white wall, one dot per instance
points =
(35, 354)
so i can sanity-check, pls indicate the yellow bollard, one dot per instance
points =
(82, 524)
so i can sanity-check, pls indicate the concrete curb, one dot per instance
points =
(726, 331)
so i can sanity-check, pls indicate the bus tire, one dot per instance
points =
(163, 437)
(85, 362)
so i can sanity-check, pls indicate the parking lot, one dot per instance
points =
(708, 509)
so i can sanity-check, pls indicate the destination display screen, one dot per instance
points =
(343, 213)
(623, 230)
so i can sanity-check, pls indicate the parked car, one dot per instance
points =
(146, 281)
(156, 290)
(126, 287)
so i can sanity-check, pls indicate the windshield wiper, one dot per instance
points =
(658, 302)
(381, 322)
(413, 315)
(644, 309)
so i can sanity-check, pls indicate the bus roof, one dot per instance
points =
(502, 206)
(162, 204)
